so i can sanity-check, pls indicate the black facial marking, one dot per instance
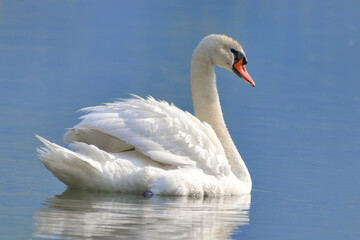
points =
(245, 61)
(238, 56)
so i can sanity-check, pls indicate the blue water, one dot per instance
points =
(298, 130)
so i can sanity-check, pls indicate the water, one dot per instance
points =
(130, 217)
(297, 130)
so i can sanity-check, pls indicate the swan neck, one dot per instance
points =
(207, 108)
(204, 90)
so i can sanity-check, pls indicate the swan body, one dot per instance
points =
(138, 145)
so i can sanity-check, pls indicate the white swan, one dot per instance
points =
(147, 145)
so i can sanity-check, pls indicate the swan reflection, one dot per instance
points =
(89, 215)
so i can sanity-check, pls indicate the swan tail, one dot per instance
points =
(73, 169)
(88, 167)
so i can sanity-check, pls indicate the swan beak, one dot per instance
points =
(240, 70)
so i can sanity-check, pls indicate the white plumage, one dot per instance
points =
(143, 144)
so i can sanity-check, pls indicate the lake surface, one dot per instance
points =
(298, 130)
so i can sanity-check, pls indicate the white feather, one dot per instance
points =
(158, 130)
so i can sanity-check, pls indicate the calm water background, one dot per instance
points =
(298, 130)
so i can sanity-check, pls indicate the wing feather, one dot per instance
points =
(158, 130)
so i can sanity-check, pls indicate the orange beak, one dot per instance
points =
(240, 70)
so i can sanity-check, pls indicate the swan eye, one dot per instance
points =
(233, 51)
(238, 56)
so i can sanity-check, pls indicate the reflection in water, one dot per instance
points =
(89, 215)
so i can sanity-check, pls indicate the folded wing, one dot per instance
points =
(154, 128)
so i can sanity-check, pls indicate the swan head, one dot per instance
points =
(227, 53)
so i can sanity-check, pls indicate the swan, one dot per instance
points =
(144, 145)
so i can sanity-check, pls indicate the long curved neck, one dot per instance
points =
(207, 108)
